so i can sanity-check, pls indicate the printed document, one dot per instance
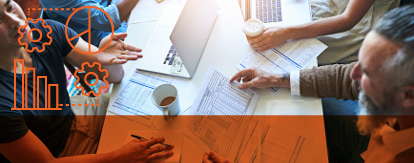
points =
(171, 137)
(134, 97)
(265, 142)
(222, 113)
(288, 56)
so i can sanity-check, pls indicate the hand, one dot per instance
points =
(256, 78)
(270, 38)
(118, 52)
(214, 158)
(140, 151)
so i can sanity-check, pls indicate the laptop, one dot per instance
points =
(277, 12)
(179, 38)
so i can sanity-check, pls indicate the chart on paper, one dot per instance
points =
(220, 111)
(291, 55)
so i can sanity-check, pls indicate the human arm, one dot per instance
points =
(118, 12)
(324, 81)
(329, 81)
(273, 36)
(35, 151)
(125, 7)
(213, 157)
(111, 58)
(255, 78)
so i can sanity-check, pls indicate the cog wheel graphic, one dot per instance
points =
(91, 73)
(35, 29)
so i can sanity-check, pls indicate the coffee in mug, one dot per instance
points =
(167, 101)
(165, 98)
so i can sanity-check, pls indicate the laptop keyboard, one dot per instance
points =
(269, 10)
(171, 56)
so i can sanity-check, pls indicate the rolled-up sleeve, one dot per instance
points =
(329, 81)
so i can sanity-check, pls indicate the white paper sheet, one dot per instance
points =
(266, 142)
(288, 56)
(221, 114)
(171, 137)
(133, 97)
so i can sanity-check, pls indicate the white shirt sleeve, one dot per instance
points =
(295, 83)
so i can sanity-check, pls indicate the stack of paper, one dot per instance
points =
(221, 122)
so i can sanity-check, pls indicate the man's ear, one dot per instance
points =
(408, 100)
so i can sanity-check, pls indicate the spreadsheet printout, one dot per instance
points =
(134, 97)
(266, 142)
(222, 113)
(288, 56)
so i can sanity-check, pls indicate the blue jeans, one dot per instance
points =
(344, 142)
(332, 106)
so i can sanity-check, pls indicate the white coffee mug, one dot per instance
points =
(162, 92)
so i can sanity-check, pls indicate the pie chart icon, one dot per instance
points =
(88, 31)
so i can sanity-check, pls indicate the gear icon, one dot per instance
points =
(91, 73)
(30, 38)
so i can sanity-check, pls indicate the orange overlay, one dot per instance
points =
(24, 90)
(90, 52)
(29, 33)
(102, 71)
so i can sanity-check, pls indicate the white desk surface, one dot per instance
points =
(226, 46)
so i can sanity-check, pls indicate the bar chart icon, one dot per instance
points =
(36, 90)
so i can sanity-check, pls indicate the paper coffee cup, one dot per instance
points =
(253, 27)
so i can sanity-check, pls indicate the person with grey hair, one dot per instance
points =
(382, 80)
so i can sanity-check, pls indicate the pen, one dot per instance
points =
(140, 137)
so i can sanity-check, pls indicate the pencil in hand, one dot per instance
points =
(142, 138)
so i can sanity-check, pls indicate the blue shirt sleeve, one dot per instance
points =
(98, 19)
(60, 33)
(59, 37)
